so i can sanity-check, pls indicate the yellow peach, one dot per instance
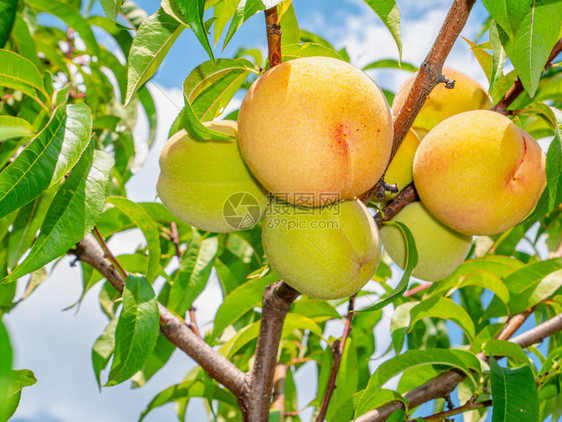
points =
(478, 173)
(440, 249)
(328, 253)
(467, 95)
(207, 184)
(314, 130)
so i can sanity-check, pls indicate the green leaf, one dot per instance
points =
(507, 348)
(103, 349)
(307, 49)
(535, 293)
(136, 331)
(508, 13)
(391, 64)
(514, 394)
(459, 359)
(211, 85)
(21, 378)
(195, 268)
(153, 40)
(20, 74)
(537, 33)
(47, 158)
(21, 37)
(111, 8)
(5, 368)
(223, 12)
(390, 16)
(554, 171)
(290, 33)
(499, 57)
(189, 121)
(73, 212)
(531, 274)
(411, 262)
(148, 227)
(7, 17)
(72, 18)
(189, 388)
(238, 302)
(157, 359)
(193, 11)
(14, 127)
(245, 9)
(133, 13)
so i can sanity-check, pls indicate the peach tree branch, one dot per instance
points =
(172, 327)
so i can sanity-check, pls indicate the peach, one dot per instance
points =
(478, 173)
(467, 95)
(328, 253)
(207, 184)
(314, 130)
(440, 249)
(399, 171)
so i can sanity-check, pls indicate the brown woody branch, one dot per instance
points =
(337, 347)
(172, 327)
(407, 195)
(517, 87)
(441, 416)
(273, 30)
(276, 302)
(444, 383)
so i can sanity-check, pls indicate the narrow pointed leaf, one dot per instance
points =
(507, 13)
(193, 275)
(47, 158)
(73, 212)
(192, 11)
(103, 349)
(153, 40)
(189, 121)
(20, 74)
(111, 8)
(136, 331)
(390, 16)
(14, 127)
(536, 35)
(514, 394)
(411, 262)
(5, 369)
(7, 17)
(499, 56)
(148, 227)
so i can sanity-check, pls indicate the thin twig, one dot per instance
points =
(173, 328)
(418, 289)
(407, 195)
(514, 323)
(273, 30)
(337, 347)
(175, 238)
(517, 87)
(109, 255)
(465, 408)
(193, 322)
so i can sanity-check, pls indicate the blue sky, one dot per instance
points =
(57, 345)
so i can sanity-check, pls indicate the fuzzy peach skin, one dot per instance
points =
(315, 126)
(440, 249)
(399, 170)
(442, 103)
(198, 177)
(478, 173)
(328, 253)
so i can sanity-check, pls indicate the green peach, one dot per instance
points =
(328, 253)
(440, 249)
(207, 184)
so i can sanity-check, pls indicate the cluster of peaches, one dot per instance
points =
(315, 133)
